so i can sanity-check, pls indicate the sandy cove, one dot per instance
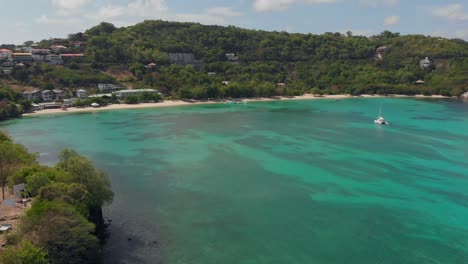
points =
(195, 102)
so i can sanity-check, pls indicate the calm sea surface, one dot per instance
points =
(276, 182)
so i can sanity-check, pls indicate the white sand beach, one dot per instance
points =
(193, 102)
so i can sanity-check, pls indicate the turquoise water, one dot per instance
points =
(276, 182)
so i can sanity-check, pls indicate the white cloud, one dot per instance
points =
(45, 20)
(392, 2)
(451, 12)
(224, 12)
(66, 7)
(461, 33)
(378, 3)
(281, 5)
(391, 20)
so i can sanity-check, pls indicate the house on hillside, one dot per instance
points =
(232, 57)
(22, 57)
(426, 63)
(5, 53)
(58, 49)
(40, 54)
(72, 57)
(81, 94)
(420, 82)
(108, 87)
(54, 59)
(181, 58)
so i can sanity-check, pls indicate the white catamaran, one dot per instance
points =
(380, 120)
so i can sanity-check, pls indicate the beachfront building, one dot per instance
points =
(47, 95)
(5, 53)
(81, 94)
(58, 94)
(108, 87)
(22, 57)
(32, 95)
(124, 93)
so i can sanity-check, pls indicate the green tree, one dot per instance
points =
(12, 157)
(26, 253)
(131, 99)
(82, 171)
(316, 92)
(35, 182)
(64, 233)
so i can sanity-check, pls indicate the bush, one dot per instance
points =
(132, 99)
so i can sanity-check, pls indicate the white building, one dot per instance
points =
(33, 95)
(5, 53)
(58, 49)
(47, 95)
(425, 63)
(105, 87)
(231, 57)
(54, 59)
(124, 93)
(81, 94)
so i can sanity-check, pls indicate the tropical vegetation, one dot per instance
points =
(65, 217)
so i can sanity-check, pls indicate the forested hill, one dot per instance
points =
(329, 63)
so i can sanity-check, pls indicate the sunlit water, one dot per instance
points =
(278, 182)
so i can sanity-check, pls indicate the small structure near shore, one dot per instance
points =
(464, 96)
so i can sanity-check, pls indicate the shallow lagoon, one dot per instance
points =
(276, 182)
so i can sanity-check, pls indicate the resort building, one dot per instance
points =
(72, 57)
(58, 94)
(54, 59)
(5, 53)
(47, 95)
(33, 95)
(22, 57)
(40, 51)
(58, 49)
(107, 87)
(81, 94)
(124, 93)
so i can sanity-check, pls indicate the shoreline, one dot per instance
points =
(205, 102)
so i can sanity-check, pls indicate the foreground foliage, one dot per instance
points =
(60, 226)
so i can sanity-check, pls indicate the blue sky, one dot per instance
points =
(42, 19)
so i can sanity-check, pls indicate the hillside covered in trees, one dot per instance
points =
(328, 63)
